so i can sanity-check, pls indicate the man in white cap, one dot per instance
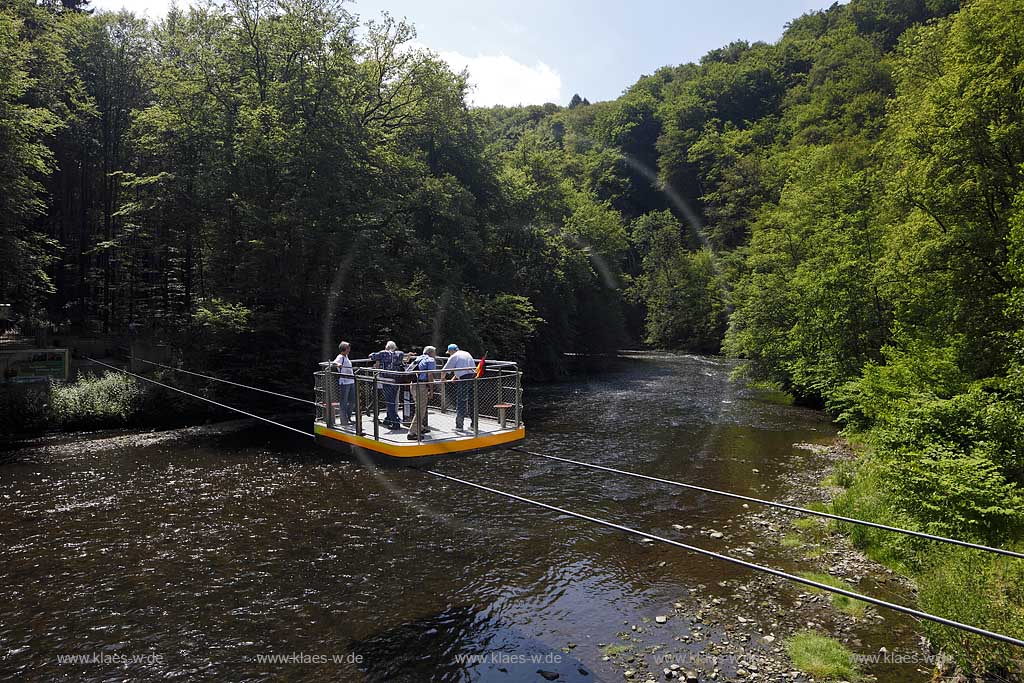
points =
(463, 367)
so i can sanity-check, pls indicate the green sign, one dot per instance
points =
(33, 365)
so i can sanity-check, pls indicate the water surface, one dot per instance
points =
(211, 552)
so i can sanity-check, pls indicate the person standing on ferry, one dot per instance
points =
(390, 360)
(346, 383)
(422, 388)
(463, 367)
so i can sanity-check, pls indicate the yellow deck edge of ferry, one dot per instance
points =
(423, 449)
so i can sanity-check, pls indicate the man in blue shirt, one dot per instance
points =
(389, 360)
(421, 390)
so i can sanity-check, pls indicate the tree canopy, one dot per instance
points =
(843, 210)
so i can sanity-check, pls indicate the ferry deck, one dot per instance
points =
(493, 412)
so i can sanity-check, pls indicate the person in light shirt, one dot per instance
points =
(346, 382)
(463, 367)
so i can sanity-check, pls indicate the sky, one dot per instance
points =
(537, 51)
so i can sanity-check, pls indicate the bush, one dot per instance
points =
(912, 375)
(951, 494)
(844, 473)
(980, 589)
(958, 494)
(94, 402)
(870, 498)
(948, 465)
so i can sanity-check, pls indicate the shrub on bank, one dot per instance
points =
(950, 463)
(94, 402)
(976, 588)
(104, 401)
(953, 492)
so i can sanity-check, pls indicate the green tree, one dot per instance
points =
(29, 116)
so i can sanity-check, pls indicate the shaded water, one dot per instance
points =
(212, 552)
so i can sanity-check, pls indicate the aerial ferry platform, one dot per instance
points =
(493, 412)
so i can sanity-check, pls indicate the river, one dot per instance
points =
(199, 554)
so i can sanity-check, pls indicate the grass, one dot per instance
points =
(810, 531)
(806, 524)
(818, 506)
(968, 586)
(821, 657)
(792, 541)
(869, 498)
(850, 606)
(844, 473)
(814, 553)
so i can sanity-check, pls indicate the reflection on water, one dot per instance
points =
(216, 551)
(446, 647)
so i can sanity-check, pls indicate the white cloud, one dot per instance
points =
(499, 79)
(154, 9)
(494, 79)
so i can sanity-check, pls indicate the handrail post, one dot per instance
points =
(376, 411)
(328, 398)
(476, 405)
(519, 395)
(359, 412)
(419, 396)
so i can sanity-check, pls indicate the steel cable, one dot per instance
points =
(784, 506)
(743, 563)
(227, 381)
(201, 398)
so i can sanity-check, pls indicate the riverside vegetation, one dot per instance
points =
(843, 209)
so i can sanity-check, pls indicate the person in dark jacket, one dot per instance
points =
(389, 360)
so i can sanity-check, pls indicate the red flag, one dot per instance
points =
(480, 366)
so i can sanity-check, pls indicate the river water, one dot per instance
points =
(197, 557)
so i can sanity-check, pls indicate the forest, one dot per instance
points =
(842, 210)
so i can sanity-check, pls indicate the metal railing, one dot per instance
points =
(495, 397)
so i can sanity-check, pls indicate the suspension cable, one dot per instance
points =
(784, 506)
(701, 551)
(226, 381)
(201, 398)
(743, 563)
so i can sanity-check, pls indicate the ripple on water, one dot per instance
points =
(210, 551)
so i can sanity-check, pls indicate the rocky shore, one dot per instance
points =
(77, 443)
(736, 630)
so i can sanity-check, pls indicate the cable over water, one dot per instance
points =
(227, 381)
(743, 563)
(661, 539)
(771, 503)
(201, 398)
